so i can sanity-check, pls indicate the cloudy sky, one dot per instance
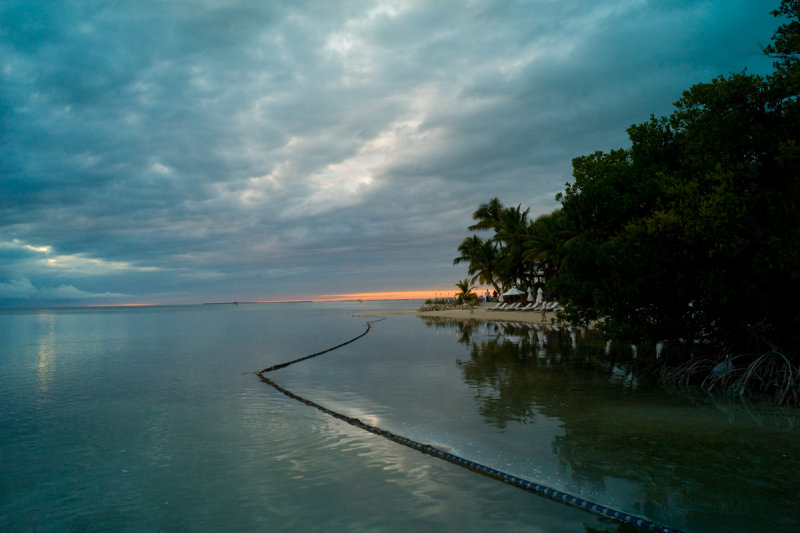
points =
(219, 150)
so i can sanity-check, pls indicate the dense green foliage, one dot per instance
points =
(691, 233)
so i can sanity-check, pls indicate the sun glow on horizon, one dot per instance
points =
(414, 294)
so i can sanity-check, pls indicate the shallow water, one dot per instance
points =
(153, 419)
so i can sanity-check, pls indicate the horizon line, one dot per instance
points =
(410, 294)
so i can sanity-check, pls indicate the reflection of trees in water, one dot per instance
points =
(677, 460)
(517, 369)
(501, 380)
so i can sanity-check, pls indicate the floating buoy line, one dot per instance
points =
(524, 484)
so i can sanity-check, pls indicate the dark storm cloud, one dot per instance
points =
(188, 151)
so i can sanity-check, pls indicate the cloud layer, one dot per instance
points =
(187, 152)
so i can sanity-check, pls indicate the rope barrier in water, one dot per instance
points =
(530, 486)
(354, 339)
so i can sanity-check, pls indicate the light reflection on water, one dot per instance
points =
(46, 351)
(151, 419)
(692, 462)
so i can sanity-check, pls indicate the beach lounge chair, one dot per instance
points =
(498, 307)
(512, 306)
(527, 307)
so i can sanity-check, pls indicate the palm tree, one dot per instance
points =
(497, 261)
(511, 234)
(487, 215)
(466, 295)
(545, 243)
(482, 258)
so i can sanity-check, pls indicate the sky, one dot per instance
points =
(176, 152)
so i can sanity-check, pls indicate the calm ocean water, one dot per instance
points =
(152, 419)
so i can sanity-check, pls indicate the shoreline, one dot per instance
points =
(482, 312)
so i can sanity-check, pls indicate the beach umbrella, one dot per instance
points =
(530, 294)
(539, 295)
(513, 291)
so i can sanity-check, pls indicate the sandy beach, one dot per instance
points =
(482, 312)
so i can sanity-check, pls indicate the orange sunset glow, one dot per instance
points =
(420, 294)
